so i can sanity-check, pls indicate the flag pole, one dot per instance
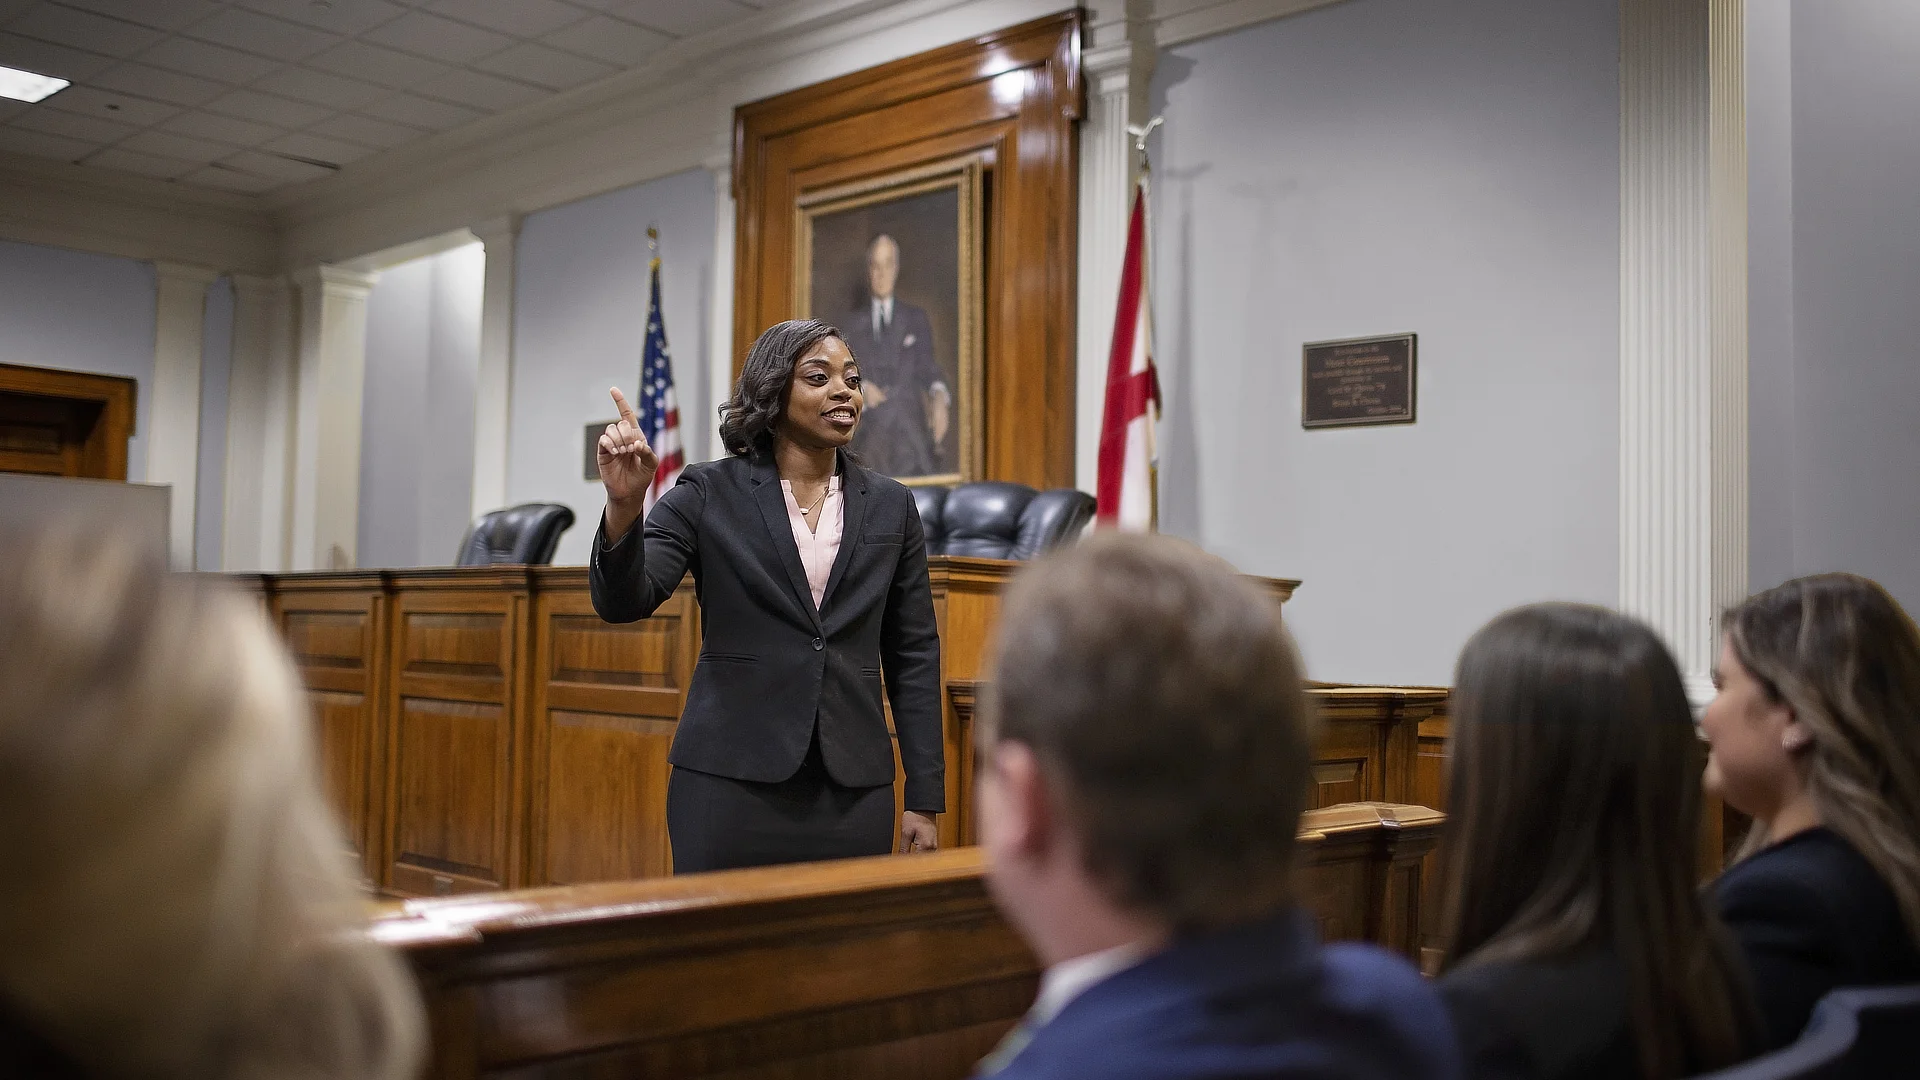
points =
(1139, 132)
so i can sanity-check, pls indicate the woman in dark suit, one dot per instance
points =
(1815, 733)
(812, 578)
(1577, 942)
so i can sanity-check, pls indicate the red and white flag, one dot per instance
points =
(659, 406)
(1125, 490)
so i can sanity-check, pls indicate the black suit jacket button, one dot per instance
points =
(818, 644)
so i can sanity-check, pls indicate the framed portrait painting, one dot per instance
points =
(897, 263)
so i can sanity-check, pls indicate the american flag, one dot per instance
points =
(659, 408)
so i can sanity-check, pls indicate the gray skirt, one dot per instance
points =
(719, 823)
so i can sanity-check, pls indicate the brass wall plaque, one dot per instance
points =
(1357, 381)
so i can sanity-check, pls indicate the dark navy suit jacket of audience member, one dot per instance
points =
(1811, 914)
(1265, 1000)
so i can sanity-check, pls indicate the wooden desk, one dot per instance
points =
(483, 729)
(885, 967)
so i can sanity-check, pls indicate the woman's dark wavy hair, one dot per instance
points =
(759, 400)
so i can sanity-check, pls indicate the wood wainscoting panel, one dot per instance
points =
(455, 812)
(1008, 99)
(605, 700)
(334, 626)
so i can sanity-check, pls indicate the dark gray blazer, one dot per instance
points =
(770, 664)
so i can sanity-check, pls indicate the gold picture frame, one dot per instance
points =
(935, 299)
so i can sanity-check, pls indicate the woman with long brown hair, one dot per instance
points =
(1577, 942)
(1816, 734)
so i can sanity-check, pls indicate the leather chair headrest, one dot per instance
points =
(527, 533)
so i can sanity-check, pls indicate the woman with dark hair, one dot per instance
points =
(1577, 943)
(811, 573)
(1816, 734)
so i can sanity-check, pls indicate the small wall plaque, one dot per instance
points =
(594, 431)
(1357, 381)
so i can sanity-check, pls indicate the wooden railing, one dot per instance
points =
(887, 967)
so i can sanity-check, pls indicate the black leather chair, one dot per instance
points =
(527, 533)
(993, 519)
(1855, 1032)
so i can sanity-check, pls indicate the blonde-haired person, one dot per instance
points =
(175, 899)
(1816, 733)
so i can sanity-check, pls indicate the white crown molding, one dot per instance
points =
(71, 206)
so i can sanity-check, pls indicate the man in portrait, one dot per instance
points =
(907, 424)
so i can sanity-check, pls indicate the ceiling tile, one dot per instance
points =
(166, 144)
(442, 39)
(208, 61)
(521, 18)
(93, 129)
(45, 58)
(316, 148)
(679, 18)
(419, 112)
(542, 66)
(275, 166)
(104, 103)
(266, 109)
(84, 30)
(158, 84)
(616, 42)
(162, 14)
(488, 93)
(262, 34)
(377, 134)
(226, 129)
(339, 16)
(319, 88)
(145, 164)
(36, 144)
(228, 179)
(377, 64)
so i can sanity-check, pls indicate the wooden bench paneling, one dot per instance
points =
(482, 728)
(885, 967)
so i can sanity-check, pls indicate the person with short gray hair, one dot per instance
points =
(1144, 756)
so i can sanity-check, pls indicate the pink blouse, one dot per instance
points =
(818, 548)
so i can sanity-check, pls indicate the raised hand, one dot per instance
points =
(627, 465)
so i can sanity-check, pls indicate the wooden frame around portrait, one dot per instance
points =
(966, 177)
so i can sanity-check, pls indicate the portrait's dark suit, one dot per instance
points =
(780, 685)
(894, 437)
(1811, 914)
(1262, 1001)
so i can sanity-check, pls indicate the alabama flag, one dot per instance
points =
(1125, 490)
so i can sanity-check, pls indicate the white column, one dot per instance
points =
(493, 381)
(173, 446)
(1682, 358)
(720, 348)
(331, 373)
(259, 409)
(1117, 77)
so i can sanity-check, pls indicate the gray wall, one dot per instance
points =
(580, 308)
(80, 312)
(216, 365)
(1836, 373)
(416, 441)
(1383, 166)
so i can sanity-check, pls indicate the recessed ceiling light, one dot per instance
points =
(27, 85)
